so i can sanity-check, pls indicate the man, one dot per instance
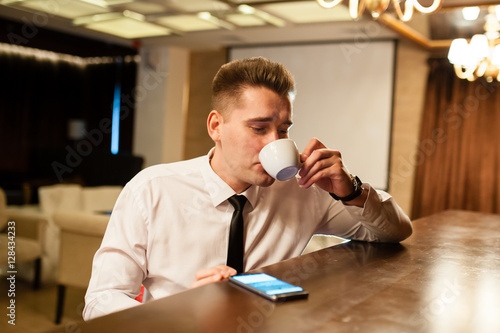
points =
(169, 230)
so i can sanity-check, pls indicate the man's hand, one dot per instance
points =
(212, 274)
(324, 167)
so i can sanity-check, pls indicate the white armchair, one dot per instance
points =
(99, 199)
(26, 234)
(74, 197)
(77, 215)
(81, 235)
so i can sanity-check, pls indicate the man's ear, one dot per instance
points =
(214, 124)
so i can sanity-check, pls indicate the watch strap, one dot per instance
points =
(358, 189)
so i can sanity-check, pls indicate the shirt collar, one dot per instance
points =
(217, 188)
(252, 193)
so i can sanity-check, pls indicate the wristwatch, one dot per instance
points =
(358, 189)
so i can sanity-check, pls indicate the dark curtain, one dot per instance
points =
(457, 163)
(37, 99)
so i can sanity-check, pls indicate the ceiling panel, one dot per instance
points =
(186, 23)
(145, 8)
(245, 20)
(225, 21)
(70, 10)
(307, 12)
(193, 6)
(129, 28)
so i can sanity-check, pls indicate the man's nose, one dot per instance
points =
(273, 136)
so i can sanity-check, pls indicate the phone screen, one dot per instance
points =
(269, 286)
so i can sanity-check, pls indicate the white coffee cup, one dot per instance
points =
(280, 159)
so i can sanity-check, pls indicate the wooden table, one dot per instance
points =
(445, 278)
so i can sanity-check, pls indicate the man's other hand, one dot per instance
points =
(212, 274)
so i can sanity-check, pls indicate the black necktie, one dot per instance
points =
(236, 242)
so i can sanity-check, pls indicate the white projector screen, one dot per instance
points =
(344, 98)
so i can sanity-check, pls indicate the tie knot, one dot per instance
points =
(238, 202)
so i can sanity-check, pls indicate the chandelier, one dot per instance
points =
(377, 7)
(480, 57)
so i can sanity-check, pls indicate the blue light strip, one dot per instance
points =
(115, 124)
(115, 121)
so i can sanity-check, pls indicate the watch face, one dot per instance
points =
(354, 182)
(358, 189)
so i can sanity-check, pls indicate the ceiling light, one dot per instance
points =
(470, 13)
(84, 20)
(194, 6)
(307, 12)
(186, 23)
(245, 20)
(128, 27)
(117, 2)
(245, 9)
(100, 3)
(377, 7)
(480, 57)
(134, 15)
(210, 18)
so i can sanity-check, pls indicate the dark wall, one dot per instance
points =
(38, 98)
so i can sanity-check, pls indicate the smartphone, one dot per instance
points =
(269, 287)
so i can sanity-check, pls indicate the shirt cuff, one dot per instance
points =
(371, 210)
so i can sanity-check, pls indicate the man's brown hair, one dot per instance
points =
(235, 76)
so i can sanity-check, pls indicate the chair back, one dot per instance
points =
(100, 198)
(81, 237)
(67, 197)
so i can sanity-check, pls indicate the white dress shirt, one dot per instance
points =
(172, 220)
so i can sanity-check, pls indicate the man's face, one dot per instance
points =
(261, 117)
